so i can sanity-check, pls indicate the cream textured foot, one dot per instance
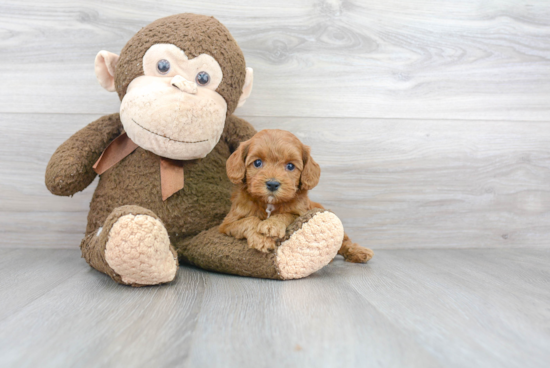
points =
(138, 249)
(311, 247)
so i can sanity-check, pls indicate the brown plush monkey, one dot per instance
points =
(163, 188)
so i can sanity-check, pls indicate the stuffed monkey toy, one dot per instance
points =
(163, 188)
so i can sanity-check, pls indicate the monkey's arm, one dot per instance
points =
(237, 130)
(70, 167)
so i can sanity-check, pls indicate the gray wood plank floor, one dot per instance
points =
(407, 308)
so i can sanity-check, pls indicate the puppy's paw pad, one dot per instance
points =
(272, 229)
(359, 255)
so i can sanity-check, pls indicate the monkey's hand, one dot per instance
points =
(70, 168)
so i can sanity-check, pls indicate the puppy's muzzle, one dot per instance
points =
(272, 185)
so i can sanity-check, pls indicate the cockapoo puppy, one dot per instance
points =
(274, 171)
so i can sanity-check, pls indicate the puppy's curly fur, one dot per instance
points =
(274, 171)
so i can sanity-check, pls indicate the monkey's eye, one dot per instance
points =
(290, 167)
(203, 78)
(163, 66)
(258, 163)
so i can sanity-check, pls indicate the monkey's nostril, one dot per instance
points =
(272, 185)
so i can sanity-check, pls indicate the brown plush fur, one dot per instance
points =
(195, 34)
(135, 180)
(215, 251)
(132, 186)
(201, 204)
(248, 217)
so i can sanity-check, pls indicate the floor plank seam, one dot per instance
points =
(23, 307)
(389, 321)
(206, 276)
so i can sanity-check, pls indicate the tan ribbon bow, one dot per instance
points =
(171, 171)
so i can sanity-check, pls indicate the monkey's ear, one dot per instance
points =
(247, 88)
(235, 164)
(311, 172)
(105, 63)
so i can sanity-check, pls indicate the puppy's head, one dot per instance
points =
(275, 165)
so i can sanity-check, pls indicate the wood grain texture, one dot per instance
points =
(394, 183)
(444, 298)
(472, 59)
(320, 322)
(21, 285)
(89, 320)
(413, 308)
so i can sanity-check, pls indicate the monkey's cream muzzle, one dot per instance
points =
(165, 111)
(172, 117)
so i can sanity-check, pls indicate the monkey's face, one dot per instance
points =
(174, 110)
(175, 95)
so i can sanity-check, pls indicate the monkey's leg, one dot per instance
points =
(132, 247)
(310, 243)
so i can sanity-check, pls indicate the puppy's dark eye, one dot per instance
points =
(258, 163)
(203, 78)
(290, 167)
(163, 66)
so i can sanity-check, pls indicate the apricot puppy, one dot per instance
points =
(274, 171)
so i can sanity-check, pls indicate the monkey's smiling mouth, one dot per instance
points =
(160, 135)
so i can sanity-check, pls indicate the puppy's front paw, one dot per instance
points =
(261, 243)
(358, 254)
(271, 228)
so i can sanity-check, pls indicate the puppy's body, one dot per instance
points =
(273, 172)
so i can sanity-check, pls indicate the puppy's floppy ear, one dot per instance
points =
(235, 166)
(311, 172)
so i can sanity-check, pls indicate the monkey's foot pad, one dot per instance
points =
(311, 243)
(139, 251)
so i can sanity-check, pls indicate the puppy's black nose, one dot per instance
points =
(272, 185)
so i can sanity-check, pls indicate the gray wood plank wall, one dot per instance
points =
(430, 119)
